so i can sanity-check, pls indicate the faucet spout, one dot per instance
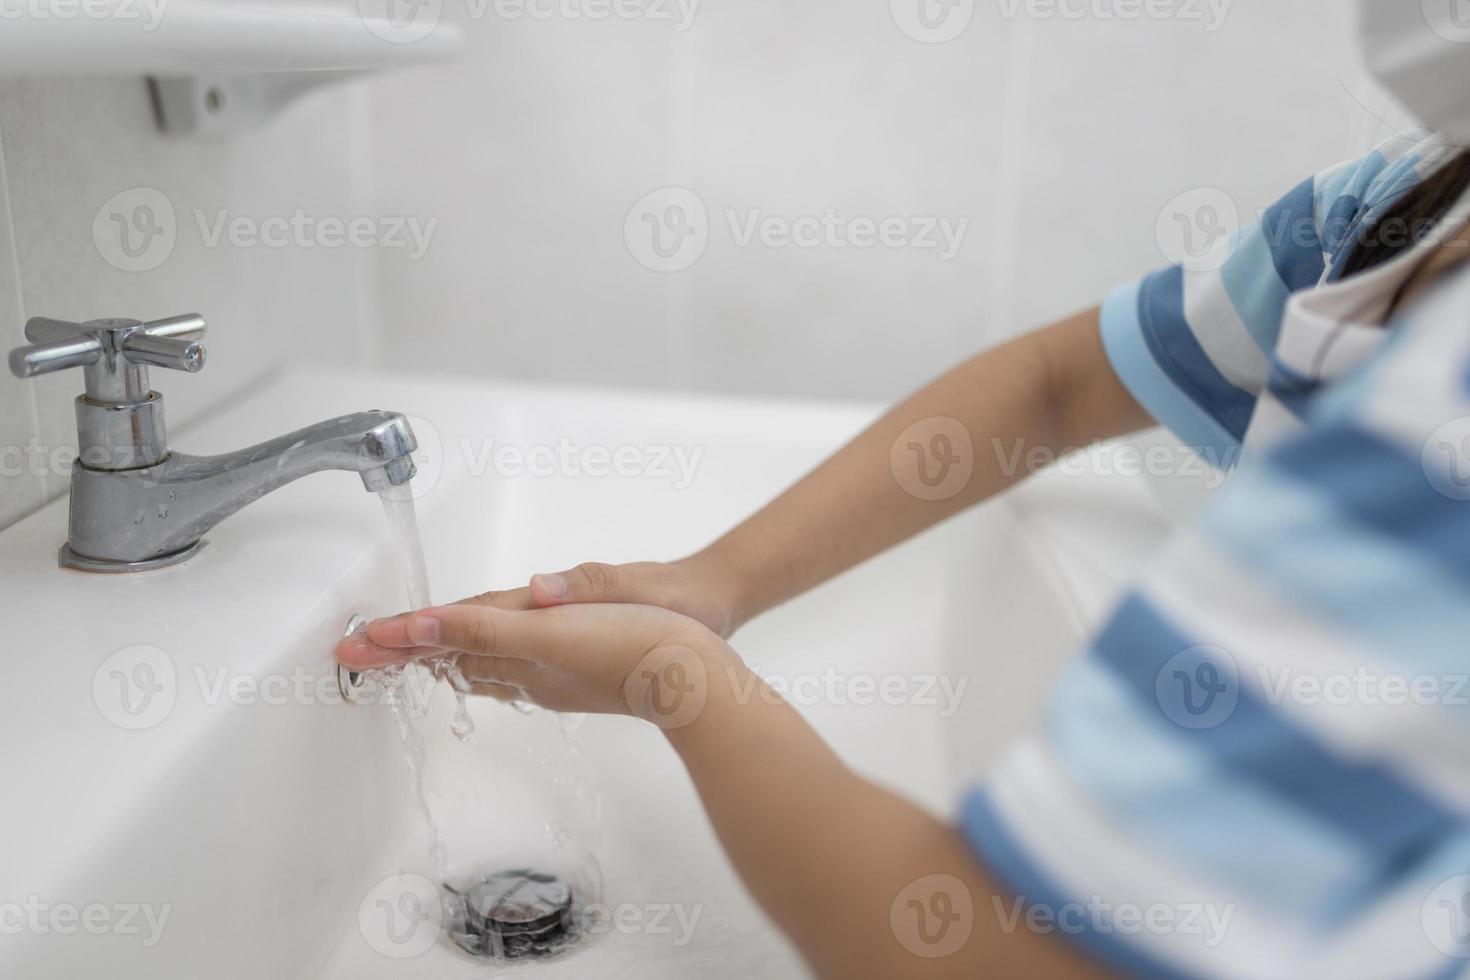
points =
(131, 519)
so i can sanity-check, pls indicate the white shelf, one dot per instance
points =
(191, 37)
(219, 66)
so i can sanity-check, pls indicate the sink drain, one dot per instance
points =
(354, 684)
(512, 915)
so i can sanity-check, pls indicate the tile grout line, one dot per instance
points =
(370, 335)
(1017, 99)
(679, 288)
(20, 310)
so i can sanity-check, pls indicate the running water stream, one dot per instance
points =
(398, 508)
(407, 688)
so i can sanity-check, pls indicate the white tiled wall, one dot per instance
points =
(1058, 140)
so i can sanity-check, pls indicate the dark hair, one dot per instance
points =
(1412, 217)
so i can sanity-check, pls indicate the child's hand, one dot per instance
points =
(701, 587)
(596, 658)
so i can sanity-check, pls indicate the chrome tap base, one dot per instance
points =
(67, 558)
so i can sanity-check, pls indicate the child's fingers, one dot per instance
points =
(356, 650)
(389, 633)
(417, 635)
(360, 652)
(588, 582)
(508, 599)
(386, 641)
(539, 636)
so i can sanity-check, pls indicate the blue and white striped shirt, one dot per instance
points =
(1261, 767)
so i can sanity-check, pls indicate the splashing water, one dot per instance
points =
(398, 508)
(398, 685)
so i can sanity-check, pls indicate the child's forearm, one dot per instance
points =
(829, 855)
(1052, 390)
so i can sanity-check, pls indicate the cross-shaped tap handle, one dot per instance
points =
(110, 345)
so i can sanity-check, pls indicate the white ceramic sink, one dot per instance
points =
(258, 815)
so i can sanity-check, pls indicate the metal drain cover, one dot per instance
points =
(515, 914)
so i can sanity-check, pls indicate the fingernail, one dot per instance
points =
(358, 651)
(555, 585)
(424, 630)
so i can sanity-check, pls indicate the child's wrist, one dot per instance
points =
(723, 581)
(713, 689)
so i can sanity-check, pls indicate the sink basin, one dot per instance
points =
(187, 796)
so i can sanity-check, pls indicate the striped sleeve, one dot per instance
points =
(1192, 342)
(1261, 768)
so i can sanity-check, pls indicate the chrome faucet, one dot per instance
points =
(134, 504)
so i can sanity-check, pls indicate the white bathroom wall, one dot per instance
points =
(1062, 141)
(1059, 142)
